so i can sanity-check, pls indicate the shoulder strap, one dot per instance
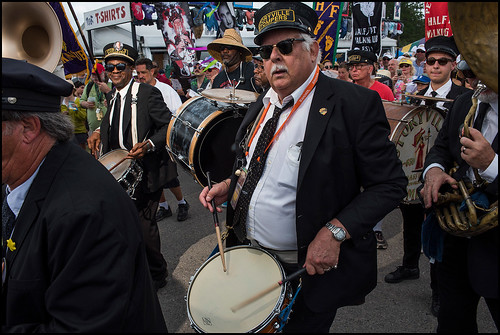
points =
(89, 87)
(133, 118)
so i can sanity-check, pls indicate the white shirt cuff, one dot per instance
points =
(491, 171)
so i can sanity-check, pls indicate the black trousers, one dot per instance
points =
(413, 216)
(147, 204)
(458, 300)
(302, 319)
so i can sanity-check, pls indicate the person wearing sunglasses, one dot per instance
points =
(237, 71)
(259, 73)
(419, 62)
(144, 137)
(441, 52)
(200, 81)
(404, 76)
(315, 143)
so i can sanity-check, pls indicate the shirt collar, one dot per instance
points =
(272, 97)
(443, 90)
(16, 197)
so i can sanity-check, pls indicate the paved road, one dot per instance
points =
(390, 308)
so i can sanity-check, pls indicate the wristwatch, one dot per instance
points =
(338, 233)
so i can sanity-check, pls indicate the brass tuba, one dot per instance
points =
(31, 32)
(475, 29)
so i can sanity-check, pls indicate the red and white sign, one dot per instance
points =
(437, 20)
(108, 16)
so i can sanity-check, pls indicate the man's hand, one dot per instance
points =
(476, 151)
(218, 193)
(140, 149)
(323, 252)
(93, 142)
(434, 179)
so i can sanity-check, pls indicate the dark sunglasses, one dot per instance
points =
(120, 67)
(441, 61)
(284, 47)
(209, 70)
(228, 47)
(420, 51)
(258, 66)
(404, 65)
(328, 67)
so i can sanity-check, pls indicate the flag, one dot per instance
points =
(437, 20)
(73, 56)
(328, 28)
(367, 19)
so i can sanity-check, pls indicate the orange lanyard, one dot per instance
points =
(294, 108)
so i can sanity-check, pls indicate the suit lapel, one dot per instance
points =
(36, 196)
(322, 108)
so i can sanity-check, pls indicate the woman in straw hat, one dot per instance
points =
(237, 70)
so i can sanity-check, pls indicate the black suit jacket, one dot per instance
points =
(454, 92)
(153, 117)
(348, 170)
(483, 249)
(80, 263)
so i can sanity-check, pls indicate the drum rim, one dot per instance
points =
(264, 323)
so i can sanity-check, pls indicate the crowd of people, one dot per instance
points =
(314, 175)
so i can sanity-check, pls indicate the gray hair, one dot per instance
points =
(56, 125)
(307, 45)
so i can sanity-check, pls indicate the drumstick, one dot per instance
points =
(124, 158)
(267, 290)
(217, 227)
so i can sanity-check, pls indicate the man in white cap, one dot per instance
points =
(419, 62)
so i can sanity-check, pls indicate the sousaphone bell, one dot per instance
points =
(31, 32)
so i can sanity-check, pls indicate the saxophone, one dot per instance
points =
(475, 219)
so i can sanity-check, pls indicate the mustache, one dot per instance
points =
(278, 67)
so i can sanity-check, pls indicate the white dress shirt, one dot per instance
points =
(271, 214)
(442, 92)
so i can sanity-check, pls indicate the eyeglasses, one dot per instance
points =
(328, 67)
(210, 70)
(420, 51)
(442, 61)
(258, 66)
(386, 58)
(358, 66)
(228, 47)
(284, 47)
(120, 67)
(404, 65)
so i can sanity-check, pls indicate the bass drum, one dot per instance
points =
(413, 130)
(200, 137)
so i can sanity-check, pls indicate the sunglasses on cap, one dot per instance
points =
(441, 61)
(285, 47)
(120, 67)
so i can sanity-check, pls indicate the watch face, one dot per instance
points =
(339, 234)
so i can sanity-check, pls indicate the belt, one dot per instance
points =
(285, 256)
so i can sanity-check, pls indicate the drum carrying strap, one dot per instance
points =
(133, 118)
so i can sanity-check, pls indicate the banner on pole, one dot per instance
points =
(437, 20)
(328, 28)
(74, 58)
(367, 19)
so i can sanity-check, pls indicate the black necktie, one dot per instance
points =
(8, 221)
(431, 102)
(481, 113)
(255, 170)
(115, 124)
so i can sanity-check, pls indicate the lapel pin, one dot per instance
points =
(323, 111)
(11, 244)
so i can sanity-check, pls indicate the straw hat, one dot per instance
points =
(231, 37)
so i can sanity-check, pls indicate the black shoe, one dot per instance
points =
(381, 242)
(182, 212)
(163, 213)
(435, 304)
(402, 273)
(158, 284)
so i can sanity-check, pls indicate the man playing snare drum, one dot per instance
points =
(311, 194)
(144, 136)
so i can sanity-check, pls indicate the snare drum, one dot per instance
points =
(200, 137)
(128, 173)
(413, 130)
(212, 292)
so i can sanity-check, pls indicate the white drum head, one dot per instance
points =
(113, 157)
(213, 292)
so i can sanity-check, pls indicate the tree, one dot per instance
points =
(413, 18)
